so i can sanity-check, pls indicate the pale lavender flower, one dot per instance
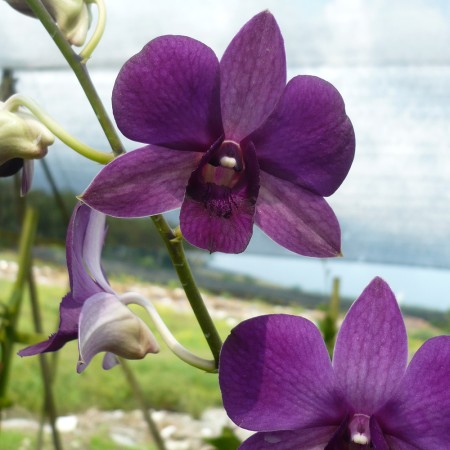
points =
(230, 143)
(92, 312)
(276, 378)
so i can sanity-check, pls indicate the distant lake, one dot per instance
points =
(394, 207)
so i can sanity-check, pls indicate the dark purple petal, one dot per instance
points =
(168, 95)
(419, 412)
(275, 374)
(219, 217)
(306, 439)
(308, 139)
(377, 435)
(69, 312)
(106, 325)
(144, 182)
(253, 76)
(296, 218)
(371, 350)
(11, 167)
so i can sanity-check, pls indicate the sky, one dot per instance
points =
(338, 32)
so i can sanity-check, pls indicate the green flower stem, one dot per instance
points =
(174, 245)
(9, 323)
(17, 100)
(80, 71)
(133, 298)
(89, 48)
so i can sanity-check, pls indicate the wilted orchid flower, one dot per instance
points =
(72, 16)
(91, 311)
(276, 378)
(229, 142)
(23, 138)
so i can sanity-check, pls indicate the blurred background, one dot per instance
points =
(391, 63)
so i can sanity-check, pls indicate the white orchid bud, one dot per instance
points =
(22, 136)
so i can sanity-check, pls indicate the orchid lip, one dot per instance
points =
(359, 429)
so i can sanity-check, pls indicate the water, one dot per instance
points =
(413, 286)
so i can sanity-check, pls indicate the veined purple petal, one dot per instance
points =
(219, 217)
(296, 218)
(275, 374)
(419, 412)
(144, 182)
(69, 312)
(371, 350)
(308, 139)
(106, 325)
(168, 95)
(305, 439)
(252, 76)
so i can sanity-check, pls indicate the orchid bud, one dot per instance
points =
(106, 325)
(22, 136)
(72, 16)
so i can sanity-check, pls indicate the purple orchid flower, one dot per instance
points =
(92, 312)
(230, 143)
(277, 378)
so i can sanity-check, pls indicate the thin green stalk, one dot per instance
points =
(8, 328)
(173, 243)
(80, 71)
(49, 407)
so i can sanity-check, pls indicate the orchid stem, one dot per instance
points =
(173, 245)
(89, 48)
(182, 353)
(17, 100)
(80, 71)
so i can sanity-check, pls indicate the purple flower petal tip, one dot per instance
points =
(276, 379)
(230, 142)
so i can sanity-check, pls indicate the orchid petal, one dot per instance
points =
(92, 248)
(11, 167)
(106, 325)
(297, 219)
(419, 412)
(305, 439)
(308, 140)
(27, 176)
(144, 182)
(377, 436)
(81, 283)
(168, 94)
(69, 311)
(253, 76)
(110, 360)
(275, 374)
(220, 218)
(371, 349)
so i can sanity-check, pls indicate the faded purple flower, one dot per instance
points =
(276, 378)
(91, 312)
(230, 143)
